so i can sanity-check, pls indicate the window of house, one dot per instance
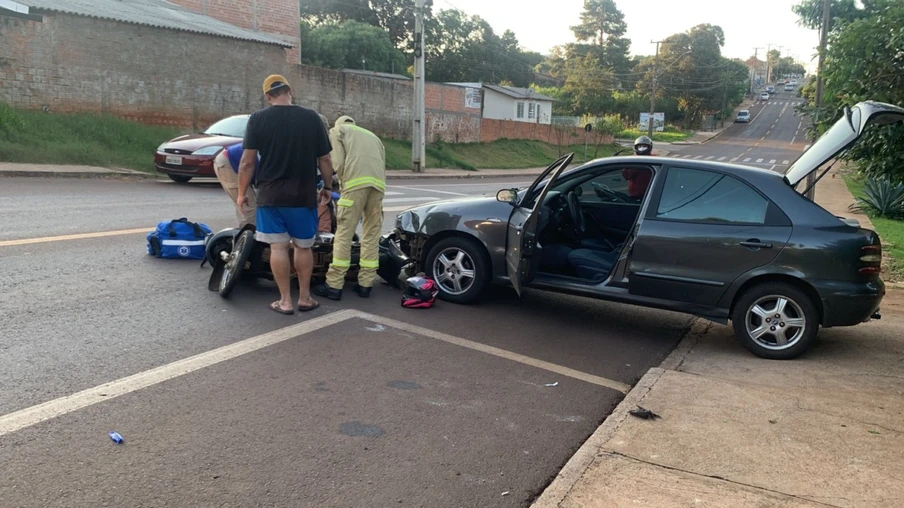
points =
(694, 195)
(531, 110)
(520, 113)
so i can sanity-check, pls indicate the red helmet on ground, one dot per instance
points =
(420, 293)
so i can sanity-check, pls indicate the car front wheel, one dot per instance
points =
(460, 269)
(775, 320)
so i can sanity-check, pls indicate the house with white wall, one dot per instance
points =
(516, 104)
(511, 103)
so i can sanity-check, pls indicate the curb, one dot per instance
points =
(74, 174)
(574, 469)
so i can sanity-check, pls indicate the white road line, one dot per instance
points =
(806, 148)
(793, 138)
(786, 162)
(502, 353)
(698, 157)
(423, 189)
(734, 159)
(772, 168)
(800, 124)
(759, 161)
(747, 159)
(688, 156)
(711, 157)
(410, 198)
(722, 158)
(33, 415)
(63, 405)
(763, 138)
(391, 193)
(772, 161)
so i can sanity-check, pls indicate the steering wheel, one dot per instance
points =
(605, 192)
(574, 209)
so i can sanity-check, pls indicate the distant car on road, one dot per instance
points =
(743, 116)
(721, 241)
(764, 96)
(789, 87)
(192, 155)
(770, 89)
(794, 82)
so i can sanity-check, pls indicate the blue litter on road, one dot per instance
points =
(116, 437)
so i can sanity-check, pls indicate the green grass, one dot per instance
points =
(501, 154)
(105, 141)
(890, 231)
(92, 140)
(669, 135)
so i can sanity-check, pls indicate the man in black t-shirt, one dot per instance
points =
(292, 143)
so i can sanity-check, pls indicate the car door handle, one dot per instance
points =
(756, 244)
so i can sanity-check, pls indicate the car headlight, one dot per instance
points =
(208, 150)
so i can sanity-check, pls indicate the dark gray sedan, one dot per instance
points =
(720, 241)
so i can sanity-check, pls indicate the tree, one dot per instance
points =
(352, 45)
(863, 62)
(590, 86)
(465, 48)
(601, 32)
(809, 13)
(394, 16)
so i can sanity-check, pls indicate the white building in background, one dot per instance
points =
(512, 103)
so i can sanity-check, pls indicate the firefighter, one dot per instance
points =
(359, 159)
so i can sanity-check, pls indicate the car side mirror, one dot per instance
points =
(509, 196)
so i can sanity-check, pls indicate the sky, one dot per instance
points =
(746, 24)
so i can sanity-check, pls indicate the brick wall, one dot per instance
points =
(491, 130)
(158, 76)
(276, 18)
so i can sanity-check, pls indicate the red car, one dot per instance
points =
(192, 155)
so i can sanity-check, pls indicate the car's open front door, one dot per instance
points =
(524, 222)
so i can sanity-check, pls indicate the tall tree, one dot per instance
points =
(394, 16)
(352, 45)
(601, 32)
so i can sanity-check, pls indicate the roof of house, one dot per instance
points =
(376, 74)
(155, 13)
(519, 93)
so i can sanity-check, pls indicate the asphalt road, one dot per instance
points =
(225, 403)
(775, 136)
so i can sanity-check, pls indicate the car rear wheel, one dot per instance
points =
(775, 320)
(460, 268)
(179, 178)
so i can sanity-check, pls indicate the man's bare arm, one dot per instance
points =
(246, 172)
(326, 171)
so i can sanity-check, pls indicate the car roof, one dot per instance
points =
(740, 170)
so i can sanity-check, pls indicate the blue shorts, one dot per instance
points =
(282, 224)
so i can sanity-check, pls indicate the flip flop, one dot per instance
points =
(308, 308)
(275, 308)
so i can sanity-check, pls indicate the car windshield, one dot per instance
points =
(233, 126)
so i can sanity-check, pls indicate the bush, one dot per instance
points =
(882, 197)
(10, 120)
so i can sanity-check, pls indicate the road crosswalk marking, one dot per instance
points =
(698, 157)
(772, 161)
(710, 158)
(747, 159)
(722, 158)
(786, 162)
(734, 159)
(758, 161)
(688, 156)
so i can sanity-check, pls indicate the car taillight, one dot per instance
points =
(871, 258)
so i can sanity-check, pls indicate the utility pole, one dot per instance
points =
(653, 90)
(756, 60)
(418, 131)
(823, 35)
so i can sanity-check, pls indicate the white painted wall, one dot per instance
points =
(497, 106)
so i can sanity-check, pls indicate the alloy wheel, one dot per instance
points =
(776, 322)
(454, 271)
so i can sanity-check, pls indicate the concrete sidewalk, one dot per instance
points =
(735, 430)
(10, 169)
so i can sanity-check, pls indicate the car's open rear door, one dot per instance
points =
(524, 222)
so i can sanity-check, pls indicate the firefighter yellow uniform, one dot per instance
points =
(359, 160)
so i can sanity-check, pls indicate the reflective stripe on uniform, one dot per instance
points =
(342, 263)
(370, 263)
(345, 202)
(365, 180)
